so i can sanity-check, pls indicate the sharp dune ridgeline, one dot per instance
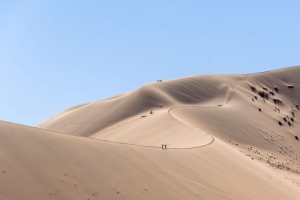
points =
(227, 137)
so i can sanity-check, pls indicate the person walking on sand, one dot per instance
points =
(162, 146)
(165, 147)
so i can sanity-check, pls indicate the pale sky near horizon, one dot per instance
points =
(57, 54)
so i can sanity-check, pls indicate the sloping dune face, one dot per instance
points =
(40, 164)
(227, 137)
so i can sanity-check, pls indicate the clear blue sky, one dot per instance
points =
(55, 54)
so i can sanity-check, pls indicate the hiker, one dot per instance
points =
(165, 147)
(162, 146)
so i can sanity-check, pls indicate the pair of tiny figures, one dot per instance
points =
(162, 146)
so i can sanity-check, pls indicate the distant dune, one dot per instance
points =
(227, 137)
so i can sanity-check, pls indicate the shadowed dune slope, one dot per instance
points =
(39, 164)
(251, 123)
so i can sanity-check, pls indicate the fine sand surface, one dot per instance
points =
(227, 137)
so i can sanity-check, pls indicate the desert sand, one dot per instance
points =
(227, 137)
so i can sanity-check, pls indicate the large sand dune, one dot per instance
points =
(228, 137)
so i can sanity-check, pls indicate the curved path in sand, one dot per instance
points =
(115, 133)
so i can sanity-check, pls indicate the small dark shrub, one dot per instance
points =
(263, 94)
(259, 109)
(290, 86)
(297, 106)
(289, 123)
(255, 97)
(253, 88)
(293, 113)
(296, 137)
(264, 88)
(276, 89)
(284, 119)
(280, 123)
(277, 101)
(292, 120)
(272, 93)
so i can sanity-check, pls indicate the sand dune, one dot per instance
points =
(90, 118)
(228, 137)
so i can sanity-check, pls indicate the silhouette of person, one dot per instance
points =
(165, 147)
(162, 146)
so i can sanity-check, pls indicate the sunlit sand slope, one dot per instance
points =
(39, 164)
(154, 130)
